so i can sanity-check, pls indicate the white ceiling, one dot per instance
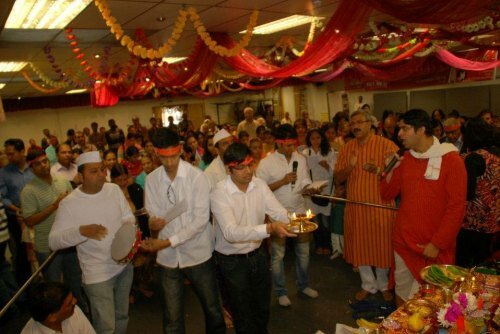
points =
(229, 16)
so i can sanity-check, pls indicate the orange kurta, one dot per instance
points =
(367, 230)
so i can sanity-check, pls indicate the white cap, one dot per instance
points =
(88, 158)
(222, 134)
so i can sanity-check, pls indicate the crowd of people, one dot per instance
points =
(213, 205)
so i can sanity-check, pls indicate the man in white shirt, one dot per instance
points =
(64, 167)
(89, 218)
(239, 204)
(287, 119)
(216, 171)
(288, 183)
(53, 309)
(248, 124)
(185, 242)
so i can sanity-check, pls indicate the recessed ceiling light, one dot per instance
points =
(97, 56)
(12, 66)
(161, 18)
(172, 60)
(18, 97)
(2, 85)
(44, 14)
(76, 91)
(283, 24)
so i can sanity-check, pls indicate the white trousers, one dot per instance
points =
(373, 282)
(406, 284)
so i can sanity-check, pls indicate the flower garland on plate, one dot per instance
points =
(180, 23)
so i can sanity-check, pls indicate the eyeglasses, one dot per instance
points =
(171, 194)
(357, 123)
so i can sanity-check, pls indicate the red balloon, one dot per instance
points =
(74, 43)
(70, 37)
(80, 56)
(88, 69)
(76, 50)
(83, 63)
(69, 30)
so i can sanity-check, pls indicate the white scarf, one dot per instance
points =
(434, 154)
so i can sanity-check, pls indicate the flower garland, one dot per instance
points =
(212, 45)
(152, 53)
(36, 86)
(64, 76)
(46, 80)
(485, 23)
(385, 53)
(135, 48)
(310, 37)
(227, 74)
(464, 306)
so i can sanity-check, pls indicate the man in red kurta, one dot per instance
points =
(432, 182)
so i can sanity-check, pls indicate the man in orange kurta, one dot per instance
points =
(367, 230)
(432, 182)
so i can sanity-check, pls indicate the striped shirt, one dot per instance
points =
(4, 231)
(35, 197)
(367, 230)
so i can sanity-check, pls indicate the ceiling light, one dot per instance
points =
(97, 56)
(12, 66)
(319, 70)
(44, 14)
(2, 85)
(172, 60)
(76, 91)
(283, 24)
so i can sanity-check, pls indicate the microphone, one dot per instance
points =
(295, 164)
(392, 163)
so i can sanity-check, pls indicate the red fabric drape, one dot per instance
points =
(334, 42)
(465, 64)
(330, 75)
(432, 11)
(103, 96)
(410, 68)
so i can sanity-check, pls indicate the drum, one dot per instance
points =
(125, 243)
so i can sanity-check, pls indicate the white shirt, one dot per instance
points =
(319, 173)
(190, 234)
(285, 120)
(274, 167)
(66, 173)
(108, 208)
(239, 216)
(215, 172)
(76, 324)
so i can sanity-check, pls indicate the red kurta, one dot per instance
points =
(430, 211)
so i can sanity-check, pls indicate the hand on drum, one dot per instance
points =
(156, 223)
(153, 245)
(94, 231)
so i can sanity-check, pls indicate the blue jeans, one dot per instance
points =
(65, 264)
(248, 284)
(301, 248)
(202, 277)
(109, 302)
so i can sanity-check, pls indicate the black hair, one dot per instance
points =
(207, 156)
(236, 152)
(17, 143)
(454, 113)
(365, 105)
(93, 123)
(484, 112)
(77, 151)
(324, 146)
(131, 151)
(118, 170)
(70, 132)
(440, 112)
(58, 148)
(260, 128)
(131, 135)
(243, 134)
(339, 116)
(435, 123)
(418, 118)
(478, 134)
(299, 121)
(165, 137)
(286, 131)
(106, 153)
(47, 298)
(34, 154)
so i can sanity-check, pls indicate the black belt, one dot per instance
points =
(247, 255)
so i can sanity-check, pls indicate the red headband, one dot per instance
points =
(451, 128)
(168, 151)
(248, 160)
(286, 141)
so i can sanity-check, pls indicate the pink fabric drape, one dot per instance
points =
(330, 75)
(465, 64)
(334, 42)
(432, 11)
